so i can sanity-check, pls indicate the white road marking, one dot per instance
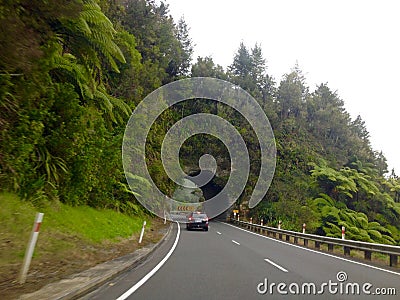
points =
(275, 265)
(153, 271)
(218, 232)
(317, 252)
(233, 241)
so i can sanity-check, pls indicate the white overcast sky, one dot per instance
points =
(352, 45)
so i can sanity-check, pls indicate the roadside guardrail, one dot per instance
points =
(392, 251)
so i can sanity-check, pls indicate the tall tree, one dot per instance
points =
(205, 67)
(158, 38)
(258, 66)
(265, 89)
(242, 63)
(186, 48)
(360, 128)
(248, 70)
(292, 93)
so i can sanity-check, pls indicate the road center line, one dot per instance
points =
(153, 271)
(233, 241)
(275, 265)
(218, 232)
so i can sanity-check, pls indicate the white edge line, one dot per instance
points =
(153, 271)
(314, 251)
(233, 241)
(275, 265)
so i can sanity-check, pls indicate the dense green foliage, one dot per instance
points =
(67, 89)
(70, 77)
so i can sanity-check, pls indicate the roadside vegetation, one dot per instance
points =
(71, 239)
(62, 228)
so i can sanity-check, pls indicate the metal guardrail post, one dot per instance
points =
(317, 245)
(393, 260)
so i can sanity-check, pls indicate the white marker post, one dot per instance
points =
(343, 232)
(304, 227)
(262, 222)
(31, 247)
(251, 220)
(279, 224)
(142, 232)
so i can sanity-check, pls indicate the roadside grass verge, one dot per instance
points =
(65, 230)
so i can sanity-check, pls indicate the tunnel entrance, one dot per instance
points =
(210, 190)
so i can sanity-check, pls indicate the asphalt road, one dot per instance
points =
(230, 263)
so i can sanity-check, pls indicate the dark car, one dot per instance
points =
(197, 220)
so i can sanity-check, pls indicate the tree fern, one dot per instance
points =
(331, 229)
(375, 235)
(115, 108)
(88, 46)
(68, 68)
(323, 200)
(101, 33)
